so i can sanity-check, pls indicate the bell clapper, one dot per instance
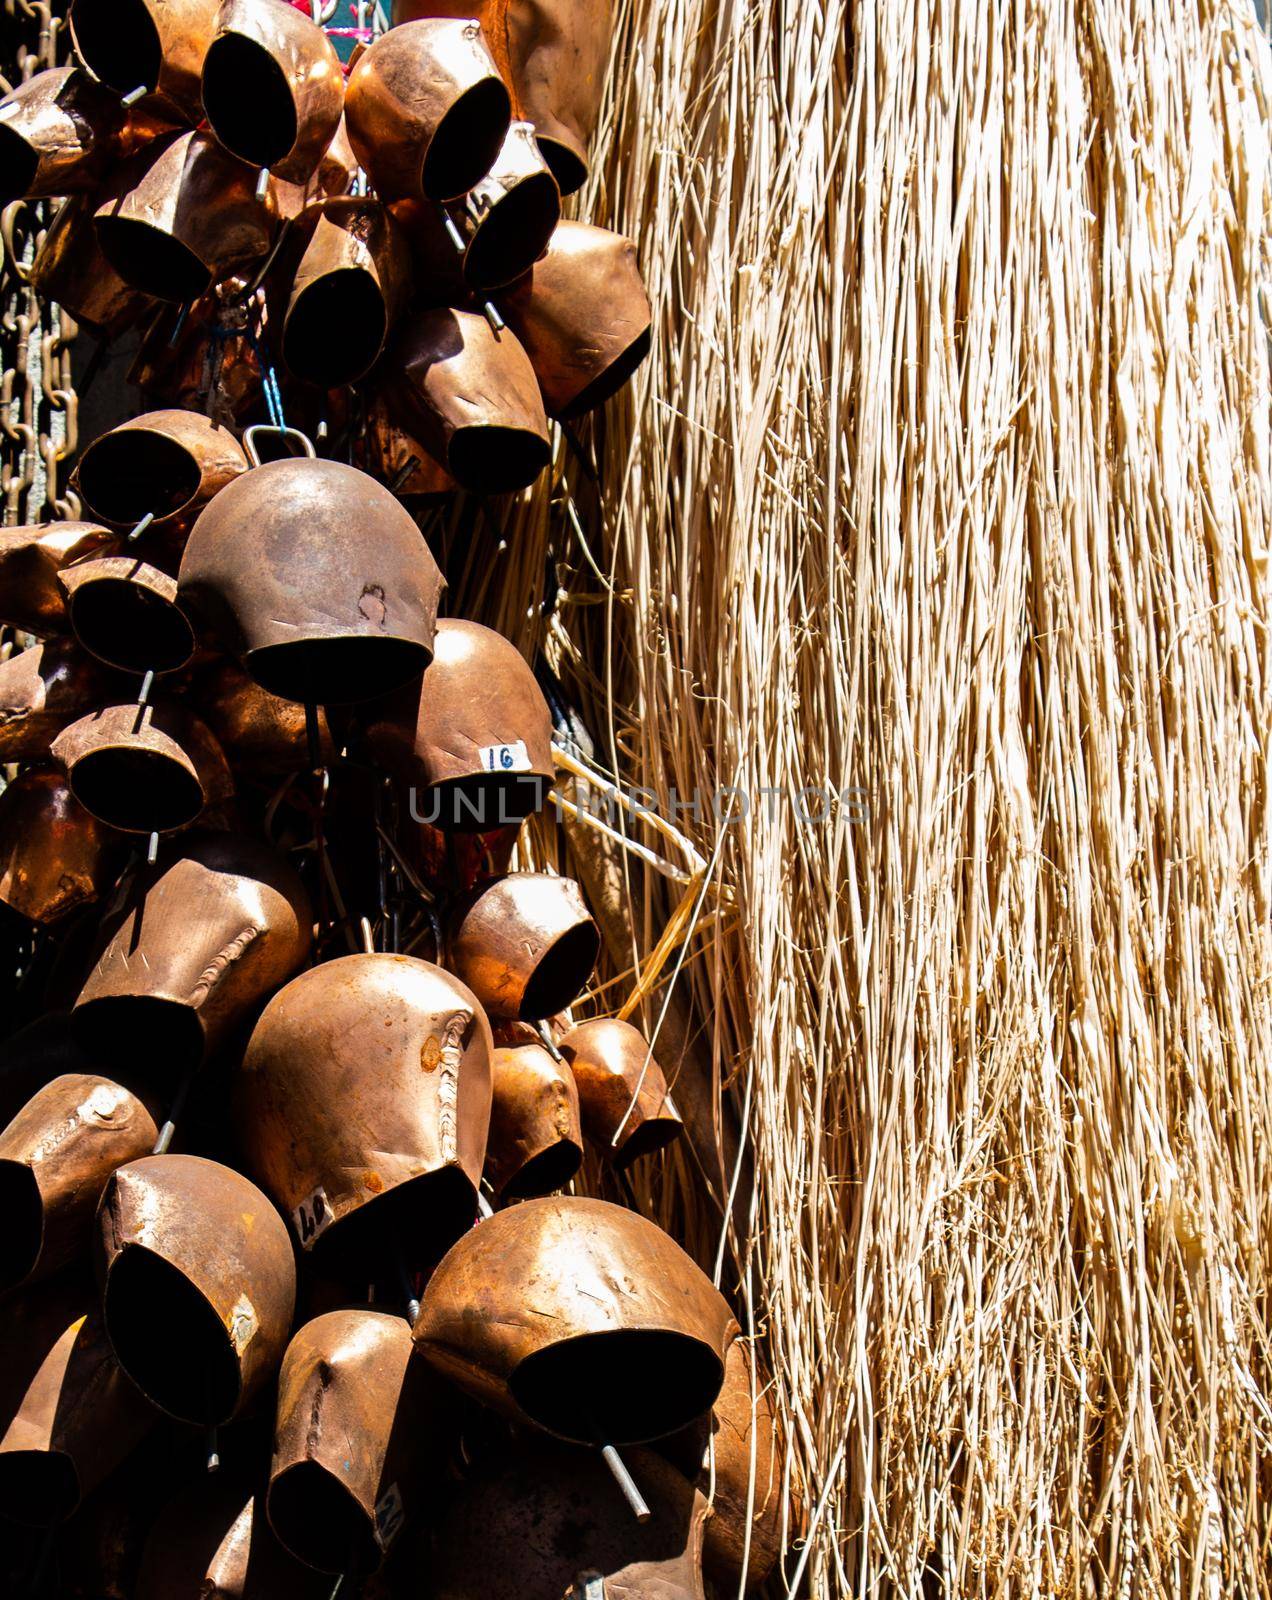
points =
(211, 1434)
(411, 463)
(152, 850)
(313, 737)
(550, 1044)
(141, 526)
(368, 938)
(625, 1481)
(497, 323)
(452, 232)
(178, 325)
(164, 1141)
(147, 684)
(484, 1207)
(408, 1291)
(133, 95)
(262, 183)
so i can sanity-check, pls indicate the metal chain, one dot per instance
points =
(38, 404)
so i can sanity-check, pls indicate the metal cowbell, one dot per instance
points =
(263, 735)
(42, 689)
(536, 1143)
(55, 856)
(163, 465)
(507, 219)
(627, 1111)
(58, 130)
(31, 557)
(71, 269)
(155, 46)
(124, 612)
(525, 944)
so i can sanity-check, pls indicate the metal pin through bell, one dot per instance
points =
(507, 219)
(471, 399)
(199, 1284)
(581, 1317)
(42, 689)
(57, 132)
(363, 1106)
(426, 109)
(155, 46)
(535, 1144)
(54, 855)
(31, 557)
(315, 577)
(627, 1110)
(525, 944)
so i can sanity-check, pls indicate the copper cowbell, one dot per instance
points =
(263, 735)
(474, 742)
(163, 465)
(199, 1284)
(31, 557)
(202, 939)
(583, 317)
(363, 1106)
(44, 688)
(181, 216)
(356, 1423)
(55, 856)
(471, 398)
(55, 1157)
(426, 110)
(541, 1522)
(156, 46)
(124, 611)
(315, 577)
(536, 1143)
(58, 130)
(68, 1413)
(70, 268)
(272, 88)
(627, 1110)
(581, 1317)
(349, 288)
(507, 219)
(525, 944)
(143, 769)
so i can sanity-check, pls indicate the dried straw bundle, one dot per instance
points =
(949, 480)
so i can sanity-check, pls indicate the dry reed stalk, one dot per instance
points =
(949, 479)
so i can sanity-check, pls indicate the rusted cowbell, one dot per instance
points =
(427, 110)
(273, 90)
(471, 399)
(536, 1143)
(54, 855)
(363, 1107)
(582, 315)
(391, 454)
(124, 611)
(213, 1542)
(351, 1439)
(30, 559)
(553, 55)
(55, 1157)
(313, 575)
(627, 1110)
(143, 769)
(348, 291)
(181, 216)
(525, 944)
(165, 465)
(474, 742)
(199, 1284)
(42, 690)
(58, 130)
(68, 1414)
(507, 219)
(541, 1522)
(70, 268)
(263, 735)
(581, 1317)
(201, 941)
(155, 45)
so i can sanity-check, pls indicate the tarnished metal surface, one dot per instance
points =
(317, 579)
(273, 90)
(202, 939)
(745, 1430)
(262, 734)
(42, 689)
(536, 1143)
(427, 110)
(396, 457)
(540, 1522)
(553, 55)
(182, 215)
(348, 291)
(355, 1437)
(507, 218)
(622, 1091)
(579, 1316)
(68, 1414)
(474, 740)
(57, 132)
(54, 855)
(200, 1284)
(363, 1106)
(333, 178)
(71, 269)
(582, 315)
(31, 558)
(143, 769)
(124, 611)
(524, 944)
(165, 464)
(213, 1542)
(158, 45)
(471, 398)
(55, 1157)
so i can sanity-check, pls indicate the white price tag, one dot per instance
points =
(312, 1216)
(505, 757)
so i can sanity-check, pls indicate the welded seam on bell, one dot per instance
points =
(448, 1085)
(221, 963)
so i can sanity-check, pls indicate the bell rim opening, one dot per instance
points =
(646, 1139)
(551, 987)
(626, 1405)
(279, 668)
(111, 1025)
(143, 56)
(47, 1480)
(610, 380)
(125, 456)
(115, 769)
(560, 1161)
(178, 276)
(22, 1206)
(496, 458)
(403, 1222)
(308, 310)
(566, 165)
(270, 81)
(467, 140)
(345, 1530)
(17, 152)
(152, 619)
(513, 234)
(215, 1409)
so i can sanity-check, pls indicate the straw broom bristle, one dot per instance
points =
(948, 481)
